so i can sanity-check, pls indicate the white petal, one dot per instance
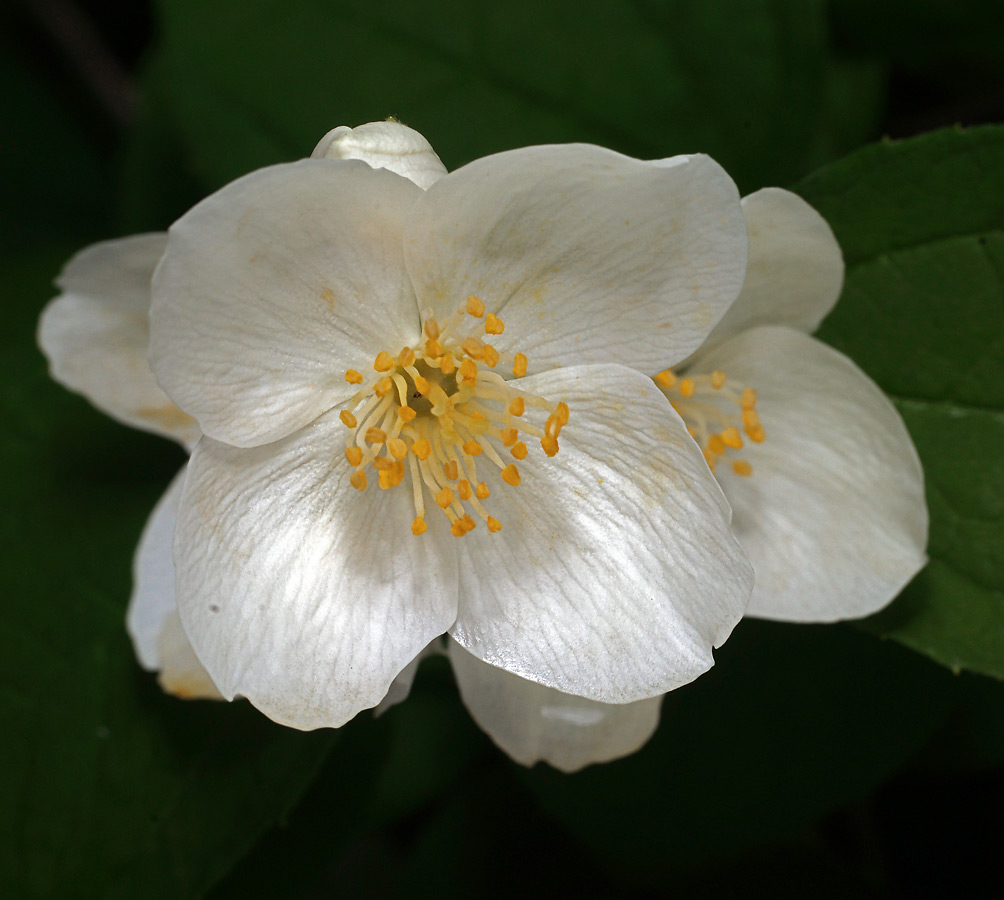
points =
(299, 592)
(795, 271)
(400, 687)
(152, 619)
(95, 335)
(615, 572)
(385, 145)
(275, 285)
(532, 723)
(833, 516)
(587, 255)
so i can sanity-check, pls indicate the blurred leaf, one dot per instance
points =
(922, 226)
(751, 83)
(111, 789)
(792, 722)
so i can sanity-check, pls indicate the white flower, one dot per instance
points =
(298, 309)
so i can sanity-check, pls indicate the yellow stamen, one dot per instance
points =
(375, 435)
(519, 364)
(431, 329)
(383, 387)
(422, 385)
(510, 475)
(666, 378)
(422, 449)
(491, 356)
(687, 388)
(494, 525)
(348, 420)
(493, 324)
(451, 470)
(353, 377)
(717, 379)
(444, 498)
(741, 467)
(472, 448)
(517, 407)
(383, 362)
(354, 455)
(549, 444)
(418, 526)
(464, 489)
(732, 438)
(748, 400)
(475, 307)
(519, 450)
(398, 448)
(509, 436)
(481, 491)
(406, 413)
(358, 480)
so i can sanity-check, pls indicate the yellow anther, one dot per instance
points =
(383, 387)
(358, 480)
(392, 476)
(491, 356)
(687, 388)
(448, 365)
(406, 357)
(468, 523)
(383, 362)
(519, 450)
(750, 418)
(398, 448)
(716, 444)
(473, 348)
(472, 448)
(406, 413)
(666, 378)
(493, 524)
(549, 444)
(469, 370)
(376, 435)
(748, 399)
(475, 307)
(433, 349)
(509, 436)
(348, 420)
(481, 491)
(517, 407)
(464, 489)
(421, 448)
(385, 478)
(551, 427)
(382, 462)
(418, 526)
(756, 434)
(741, 467)
(451, 469)
(510, 475)
(732, 438)
(353, 377)
(354, 455)
(444, 498)
(431, 329)
(717, 379)
(519, 364)
(493, 324)
(457, 528)
(422, 385)
(561, 414)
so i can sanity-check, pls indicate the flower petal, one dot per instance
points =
(385, 145)
(795, 271)
(95, 335)
(299, 592)
(615, 572)
(589, 256)
(833, 516)
(152, 620)
(532, 723)
(275, 285)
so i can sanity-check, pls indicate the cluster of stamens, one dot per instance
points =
(439, 409)
(708, 406)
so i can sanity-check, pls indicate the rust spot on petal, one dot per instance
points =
(167, 416)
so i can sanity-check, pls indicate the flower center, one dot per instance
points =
(437, 411)
(717, 413)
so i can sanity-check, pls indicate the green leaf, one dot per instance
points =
(791, 723)
(110, 788)
(922, 227)
(751, 83)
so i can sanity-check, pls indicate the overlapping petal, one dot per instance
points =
(385, 145)
(299, 592)
(152, 619)
(833, 516)
(795, 271)
(589, 256)
(95, 335)
(616, 571)
(275, 285)
(533, 723)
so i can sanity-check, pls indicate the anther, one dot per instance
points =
(748, 399)
(464, 489)
(383, 387)
(406, 413)
(398, 448)
(444, 498)
(473, 348)
(494, 525)
(431, 329)
(418, 526)
(517, 407)
(422, 449)
(472, 448)
(741, 467)
(451, 470)
(358, 480)
(481, 491)
(475, 307)
(519, 450)
(716, 444)
(519, 364)
(549, 445)
(687, 388)
(666, 378)
(493, 324)
(353, 377)
(509, 436)
(348, 420)
(491, 356)
(383, 362)
(717, 379)
(469, 370)
(510, 475)
(406, 357)
(354, 455)
(422, 385)
(376, 435)
(732, 438)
